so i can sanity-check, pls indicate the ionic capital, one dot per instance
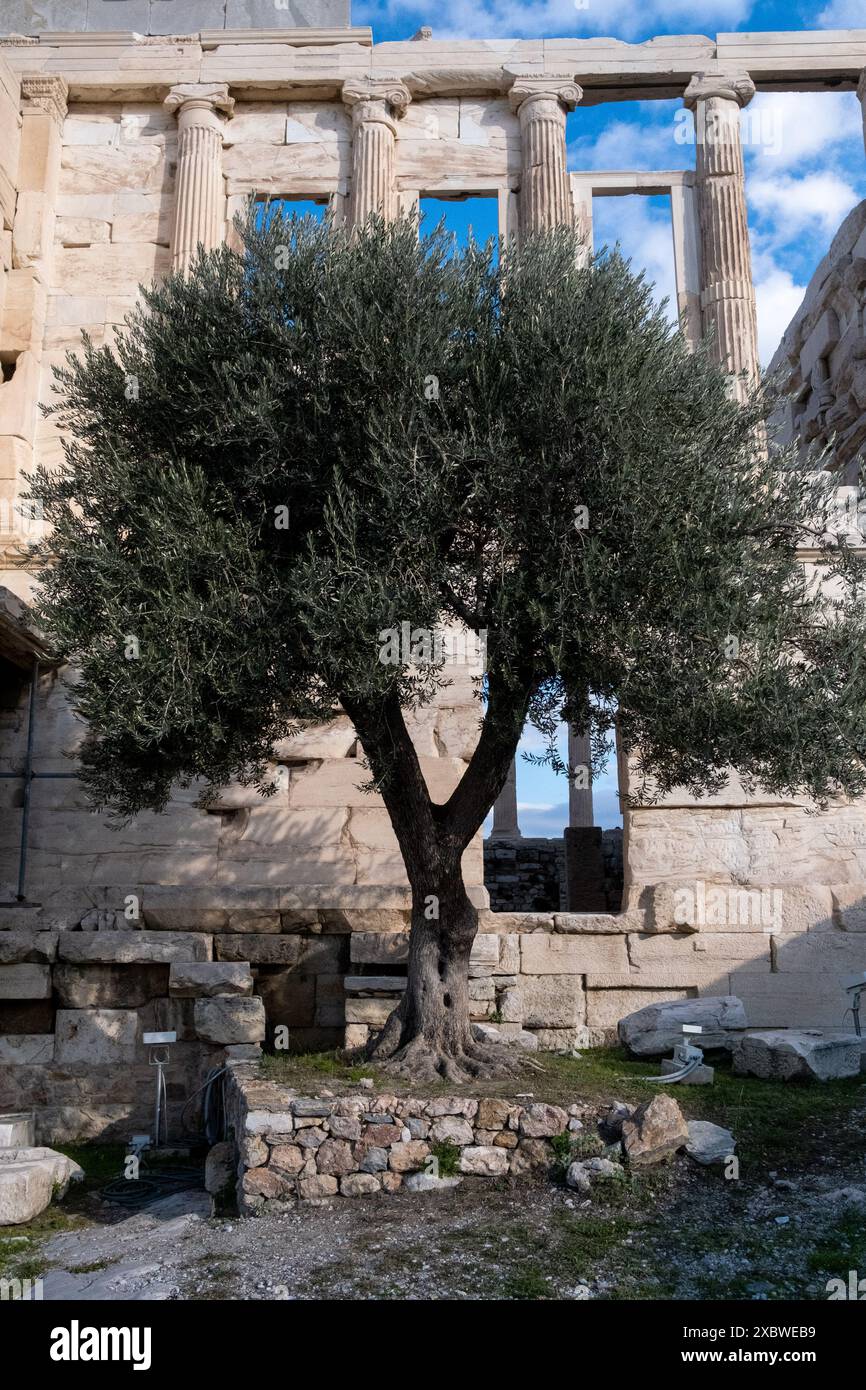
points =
(730, 86)
(382, 99)
(211, 98)
(529, 88)
(47, 93)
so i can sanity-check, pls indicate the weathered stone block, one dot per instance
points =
(656, 1028)
(37, 947)
(26, 1049)
(379, 948)
(132, 947)
(483, 1160)
(787, 1054)
(553, 1001)
(109, 986)
(543, 954)
(97, 1037)
(193, 978)
(25, 982)
(230, 1019)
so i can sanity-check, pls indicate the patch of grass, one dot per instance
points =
(527, 1284)
(93, 1266)
(842, 1246)
(303, 1069)
(447, 1156)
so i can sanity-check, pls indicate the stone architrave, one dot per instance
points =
(727, 290)
(376, 103)
(542, 101)
(199, 218)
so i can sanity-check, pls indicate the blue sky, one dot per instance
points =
(805, 170)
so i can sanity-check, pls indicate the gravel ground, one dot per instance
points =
(681, 1233)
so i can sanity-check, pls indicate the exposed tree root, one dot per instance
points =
(423, 1060)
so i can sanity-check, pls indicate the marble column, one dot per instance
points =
(505, 824)
(580, 810)
(376, 105)
(541, 103)
(861, 92)
(199, 217)
(727, 291)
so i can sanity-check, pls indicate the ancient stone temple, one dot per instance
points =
(119, 153)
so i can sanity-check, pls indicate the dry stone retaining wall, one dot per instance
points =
(317, 1147)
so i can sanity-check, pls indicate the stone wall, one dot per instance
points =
(529, 874)
(315, 1147)
(820, 363)
(168, 16)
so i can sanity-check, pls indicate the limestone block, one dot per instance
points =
(26, 1049)
(375, 984)
(605, 1007)
(488, 122)
(80, 231)
(269, 827)
(191, 979)
(800, 999)
(143, 226)
(86, 127)
(559, 1039)
(115, 268)
(786, 1054)
(15, 457)
(109, 986)
(509, 954)
(729, 949)
(24, 312)
(835, 952)
(486, 1161)
(515, 922)
(108, 169)
(29, 1179)
(25, 982)
(230, 1019)
(553, 1001)
(18, 399)
(39, 947)
(377, 948)
(96, 205)
(453, 164)
(133, 948)
(312, 955)
(222, 909)
(260, 122)
(290, 170)
(572, 955)
(96, 1037)
(595, 923)
(849, 906)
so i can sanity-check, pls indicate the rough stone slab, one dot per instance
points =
(708, 1143)
(34, 947)
(108, 986)
(483, 1160)
(654, 1030)
(29, 1178)
(790, 1053)
(375, 984)
(97, 1037)
(133, 948)
(379, 948)
(189, 979)
(654, 1132)
(25, 982)
(230, 1019)
(312, 953)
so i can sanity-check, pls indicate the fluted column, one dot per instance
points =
(541, 103)
(199, 216)
(727, 290)
(376, 105)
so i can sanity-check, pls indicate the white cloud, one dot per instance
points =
(781, 129)
(644, 232)
(645, 143)
(778, 299)
(485, 19)
(815, 202)
(842, 14)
